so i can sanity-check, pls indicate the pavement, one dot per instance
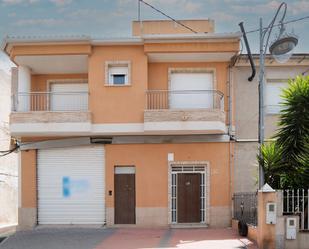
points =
(126, 238)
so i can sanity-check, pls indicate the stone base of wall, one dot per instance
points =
(152, 216)
(220, 217)
(145, 217)
(27, 218)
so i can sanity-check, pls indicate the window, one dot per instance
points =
(273, 95)
(119, 79)
(118, 73)
(192, 88)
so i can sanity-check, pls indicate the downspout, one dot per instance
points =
(231, 152)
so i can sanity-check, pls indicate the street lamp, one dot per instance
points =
(281, 49)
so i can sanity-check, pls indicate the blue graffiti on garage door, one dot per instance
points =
(74, 187)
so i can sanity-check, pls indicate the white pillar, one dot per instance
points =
(24, 88)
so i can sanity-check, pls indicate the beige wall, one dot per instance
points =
(246, 121)
(225, 45)
(246, 100)
(9, 163)
(246, 169)
(170, 27)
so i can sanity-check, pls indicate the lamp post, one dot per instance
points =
(281, 49)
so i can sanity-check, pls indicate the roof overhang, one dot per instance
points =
(11, 41)
(54, 64)
(190, 57)
(200, 37)
(297, 59)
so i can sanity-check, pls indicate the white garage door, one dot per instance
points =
(71, 185)
(69, 97)
(189, 90)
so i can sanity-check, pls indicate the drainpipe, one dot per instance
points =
(231, 152)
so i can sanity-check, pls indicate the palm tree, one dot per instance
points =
(270, 159)
(293, 133)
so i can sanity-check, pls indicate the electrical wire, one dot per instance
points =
(7, 152)
(279, 24)
(173, 19)
(6, 174)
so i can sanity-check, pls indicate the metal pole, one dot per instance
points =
(261, 102)
(139, 10)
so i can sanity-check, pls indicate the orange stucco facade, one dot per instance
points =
(28, 179)
(122, 106)
(104, 99)
(129, 101)
(152, 169)
(39, 82)
(72, 49)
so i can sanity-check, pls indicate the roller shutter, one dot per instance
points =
(71, 185)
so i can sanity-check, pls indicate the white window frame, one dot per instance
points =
(49, 83)
(201, 167)
(117, 67)
(194, 70)
(274, 109)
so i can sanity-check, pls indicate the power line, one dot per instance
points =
(287, 22)
(7, 152)
(173, 19)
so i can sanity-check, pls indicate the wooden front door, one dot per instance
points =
(188, 198)
(124, 198)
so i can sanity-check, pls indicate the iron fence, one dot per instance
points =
(184, 99)
(296, 202)
(245, 207)
(50, 101)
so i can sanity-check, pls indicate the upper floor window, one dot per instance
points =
(118, 73)
(273, 95)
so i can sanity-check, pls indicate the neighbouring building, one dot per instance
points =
(9, 163)
(125, 131)
(247, 112)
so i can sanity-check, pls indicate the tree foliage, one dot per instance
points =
(270, 159)
(290, 153)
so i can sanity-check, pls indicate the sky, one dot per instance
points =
(112, 18)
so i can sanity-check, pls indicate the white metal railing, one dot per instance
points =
(50, 101)
(296, 201)
(184, 99)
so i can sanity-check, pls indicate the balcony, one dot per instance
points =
(49, 112)
(184, 112)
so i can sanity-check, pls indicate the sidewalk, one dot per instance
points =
(6, 230)
(126, 238)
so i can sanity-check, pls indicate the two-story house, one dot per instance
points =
(247, 111)
(125, 131)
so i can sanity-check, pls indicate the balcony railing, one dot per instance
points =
(50, 101)
(185, 99)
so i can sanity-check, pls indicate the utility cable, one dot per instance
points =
(279, 24)
(173, 19)
(7, 152)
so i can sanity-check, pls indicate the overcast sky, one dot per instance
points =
(112, 18)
